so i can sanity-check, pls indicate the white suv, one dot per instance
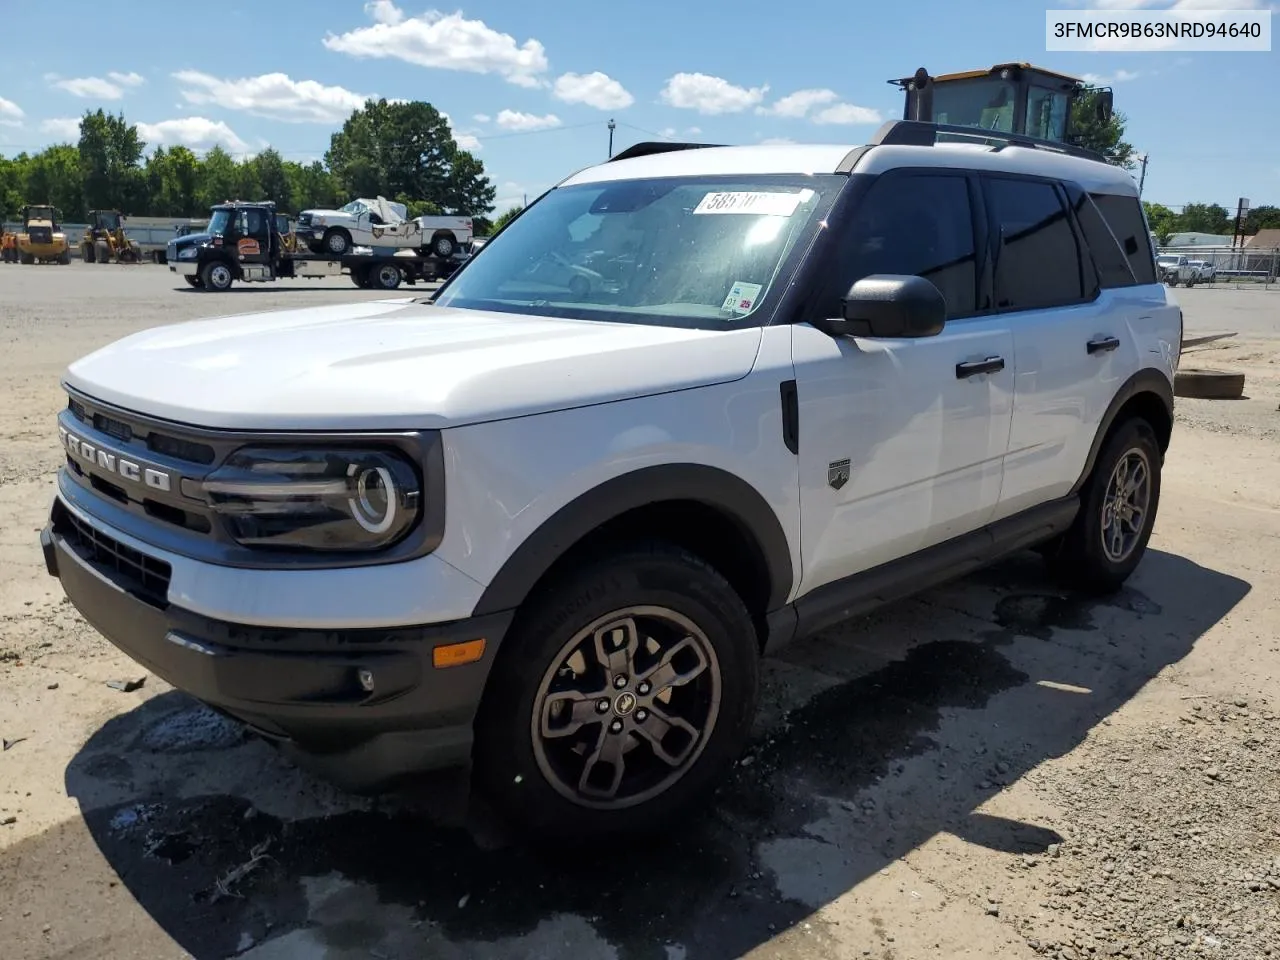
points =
(549, 529)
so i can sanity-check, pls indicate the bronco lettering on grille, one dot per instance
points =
(115, 463)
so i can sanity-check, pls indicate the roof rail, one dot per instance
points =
(919, 133)
(649, 147)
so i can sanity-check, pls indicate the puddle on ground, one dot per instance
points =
(1039, 614)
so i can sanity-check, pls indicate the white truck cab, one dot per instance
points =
(690, 404)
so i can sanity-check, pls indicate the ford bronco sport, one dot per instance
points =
(688, 406)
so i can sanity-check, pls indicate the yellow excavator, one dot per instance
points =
(104, 240)
(42, 239)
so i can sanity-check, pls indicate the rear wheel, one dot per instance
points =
(102, 252)
(622, 695)
(443, 246)
(87, 252)
(386, 276)
(194, 281)
(1117, 512)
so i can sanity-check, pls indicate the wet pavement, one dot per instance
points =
(872, 739)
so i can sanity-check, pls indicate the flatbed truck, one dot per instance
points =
(242, 242)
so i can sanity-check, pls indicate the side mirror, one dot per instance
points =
(890, 306)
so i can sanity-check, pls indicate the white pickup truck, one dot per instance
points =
(1176, 268)
(381, 223)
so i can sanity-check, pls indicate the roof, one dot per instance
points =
(1268, 239)
(811, 159)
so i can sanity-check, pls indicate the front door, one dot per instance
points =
(902, 441)
(253, 240)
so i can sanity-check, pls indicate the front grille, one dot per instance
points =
(163, 444)
(145, 577)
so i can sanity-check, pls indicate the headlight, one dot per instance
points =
(188, 253)
(332, 500)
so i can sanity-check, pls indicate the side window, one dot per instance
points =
(914, 225)
(1112, 264)
(1037, 257)
(1124, 216)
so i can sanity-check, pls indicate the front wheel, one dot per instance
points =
(87, 253)
(216, 276)
(1117, 512)
(622, 695)
(337, 243)
(194, 281)
(387, 276)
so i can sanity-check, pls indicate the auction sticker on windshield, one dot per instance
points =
(760, 204)
(742, 297)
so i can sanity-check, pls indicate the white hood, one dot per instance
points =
(396, 364)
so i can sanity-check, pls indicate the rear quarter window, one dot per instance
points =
(1124, 217)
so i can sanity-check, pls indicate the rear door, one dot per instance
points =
(903, 444)
(1071, 338)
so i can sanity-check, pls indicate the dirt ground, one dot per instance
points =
(993, 770)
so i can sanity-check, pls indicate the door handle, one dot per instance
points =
(1102, 345)
(989, 365)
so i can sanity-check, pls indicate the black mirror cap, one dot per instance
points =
(892, 306)
(1106, 106)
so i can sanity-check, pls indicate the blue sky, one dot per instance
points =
(531, 92)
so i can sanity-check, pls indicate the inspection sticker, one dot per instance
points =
(742, 297)
(760, 204)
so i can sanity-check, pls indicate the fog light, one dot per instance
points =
(366, 679)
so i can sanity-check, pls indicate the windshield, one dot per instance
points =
(985, 102)
(692, 252)
(355, 206)
(219, 222)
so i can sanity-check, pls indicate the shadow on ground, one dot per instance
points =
(836, 788)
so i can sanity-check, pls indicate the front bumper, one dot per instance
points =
(299, 687)
(188, 268)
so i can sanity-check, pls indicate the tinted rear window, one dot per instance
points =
(1124, 216)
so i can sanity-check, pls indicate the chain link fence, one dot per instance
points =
(1241, 267)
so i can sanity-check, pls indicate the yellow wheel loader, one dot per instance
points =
(104, 241)
(42, 239)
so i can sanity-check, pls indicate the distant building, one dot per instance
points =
(1268, 239)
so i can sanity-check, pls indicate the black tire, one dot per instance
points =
(635, 578)
(27, 258)
(87, 253)
(358, 276)
(337, 242)
(215, 276)
(1205, 384)
(1080, 557)
(443, 245)
(193, 281)
(65, 257)
(386, 276)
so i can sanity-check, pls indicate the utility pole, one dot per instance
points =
(612, 125)
(1143, 178)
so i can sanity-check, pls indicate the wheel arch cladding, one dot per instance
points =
(707, 510)
(1147, 394)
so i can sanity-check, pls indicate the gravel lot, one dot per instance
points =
(992, 770)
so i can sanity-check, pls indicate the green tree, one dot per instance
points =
(505, 218)
(1162, 220)
(173, 178)
(1205, 218)
(273, 180)
(54, 176)
(311, 187)
(110, 150)
(1264, 217)
(218, 179)
(13, 184)
(407, 150)
(1104, 138)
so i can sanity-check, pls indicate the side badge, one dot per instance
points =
(837, 474)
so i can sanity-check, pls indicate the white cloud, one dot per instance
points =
(10, 110)
(65, 128)
(198, 133)
(694, 131)
(847, 113)
(384, 11)
(272, 95)
(91, 88)
(775, 141)
(1101, 80)
(596, 89)
(710, 95)
(514, 120)
(126, 79)
(668, 132)
(482, 118)
(795, 105)
(465, 141)
(446, 42)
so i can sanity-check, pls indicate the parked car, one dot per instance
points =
(548, 529)
(1202, 271)
(1175, 269)
(381, 223)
